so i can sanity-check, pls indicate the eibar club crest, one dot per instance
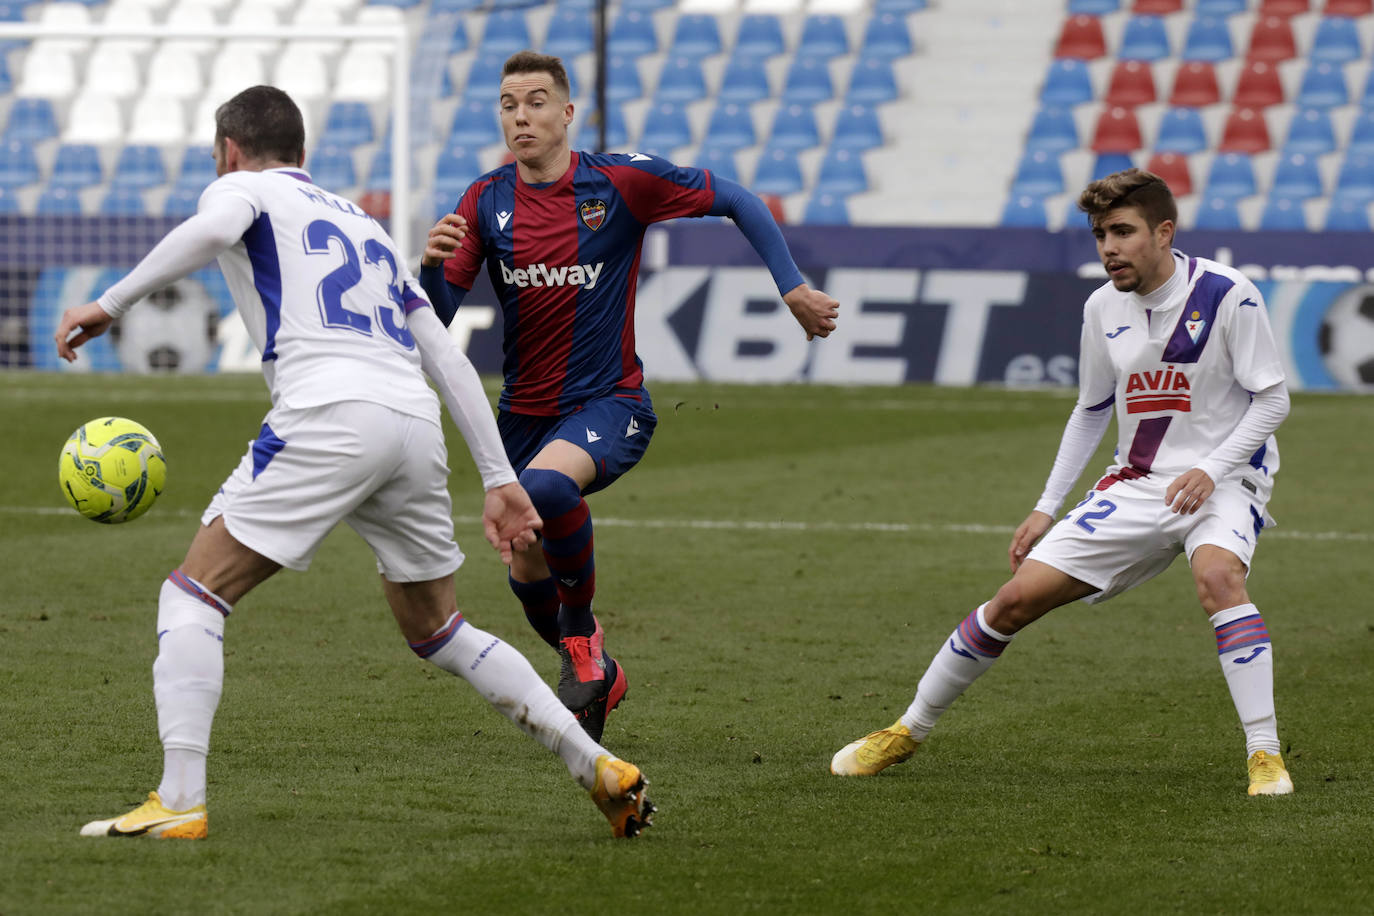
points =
(593, 213)
(1195, 324)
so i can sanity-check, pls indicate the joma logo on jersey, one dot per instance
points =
(541, 274)
(1163, 389)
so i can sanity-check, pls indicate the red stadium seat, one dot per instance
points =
(1272, 40)
(1351, 8)
(1156, 7)
(1195, 85)
(1283, 7)
(1118, 131)
(1245, 132)
(1132, 84)
(1173, 168)
(1081, 37)
(1258, 85)
(376, 204)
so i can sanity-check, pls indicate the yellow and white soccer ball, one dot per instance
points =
(111, 470)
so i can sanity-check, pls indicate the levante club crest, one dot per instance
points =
(593, 213)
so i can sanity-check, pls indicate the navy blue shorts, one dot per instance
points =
(614, 430)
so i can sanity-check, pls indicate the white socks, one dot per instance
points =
(968, 652)
(1247, 661)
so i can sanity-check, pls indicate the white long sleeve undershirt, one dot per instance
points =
(1082, 433)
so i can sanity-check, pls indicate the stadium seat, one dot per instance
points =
(31, 120)
(899, 6)
(77, 165)
(458, 40)
(1208, 39)
(234, 69)
(1258, 85)
(1038, 175)
(777, 172)
(1081, 36)
(123, 202)
(794, 128)
(569, 34)
(1355, 181)
(48, 74)
(191, 15)
(745, 80)
(1347, 215)
(665, 127)
(1024, 211)
(455, 169)
(808, 81)
(1283, 7)
(822, 38)
(842, 172)
(718, 160)
(475, 123)
(857, 127)
(1231, 175)
(1156, 7)
(1093, 7)
(18, 165)
(1323, 86)
(92, 119)
(483, 81)
(1105, 164)
(646, 5)
(1144, 38)
(622, 78)
(157, 119)
(348, 124)
(1362, 133)
(872, 82)
(1195, 85)
(332, 167)
(9, 202)
(1181, 131)
(1352, 8)
(617, 134)
(1117, 131)
(197, 169)
(731, 127)
(681, 80)
(1220, 7)
(1173, 168)
(695, 35)
(1272, 40)
(1283, 214)
(176, 71)
(303, 75)
(759, 35)
(6, 81)
(59, 202)
(1310, 132)
(826, 210)
(1132, 83)
(1220, 213)
(886, 36)
(1296, 176)
(1067, 83)
(1053, 129)
(139, 166)
(1335, 40)
(112, 71)
(631, 33)
(506, 32)
(1245, 132)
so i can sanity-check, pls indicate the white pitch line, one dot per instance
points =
(706, 524)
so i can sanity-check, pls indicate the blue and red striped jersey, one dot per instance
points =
(564, 261)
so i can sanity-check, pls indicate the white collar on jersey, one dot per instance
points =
(1167, 295)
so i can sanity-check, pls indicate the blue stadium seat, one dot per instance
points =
(886, 36)
(872, 81)
(823, 37)
(1220, 7)
(455, 169)
(1208, 39)
(632, 33)
(1217, 213)
(808, 81)
(647, 6)
(458, 36)
(570, 34)
(1323, 86)
(898, 6)
(745, 80)
(483, 82)
(1347, 215)
(1024, 211)
(9, 203)
(181, 203)
(1093, 7)
(1110, 163)
(1296, 176)
(123, 202)
(1362, 131)
(1283, 213)
(139, 166)
(31, 120)
(506, 32)
(1067, 83)
(857, 127)
(1310, 132)
(695, 35)
(77, 166)
(1336, 40)
(18, 165)
(681, 80)
(731, 127)
(617, 134)
(777, 172)
(1181, 131)
(331, 167)
(1038, 175)
(6, 81)
(665, 127)
(759, 35)
(1231, 175)
(794, 127)
(441, 203)
(1144, 38)
(475, 123)
(826, 209)
(443, 7)
(348, 124)
(59, 202)
(1355, 181)
(622, 78)
(719, 160)
(1053, 129)
(842, 172)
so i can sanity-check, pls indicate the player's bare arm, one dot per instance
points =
(1027, 533)
(445, 238)
(90, 319)
(1189, 491)
(814, 310)
(509, 519)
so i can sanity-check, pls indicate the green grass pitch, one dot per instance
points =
(775, 577)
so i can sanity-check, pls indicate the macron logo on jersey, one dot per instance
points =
(1163, 389)
(541, 274)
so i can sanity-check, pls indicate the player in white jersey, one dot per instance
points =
(1182, 346)
(353, 435)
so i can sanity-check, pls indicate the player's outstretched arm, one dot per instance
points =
(90, 320)
(1027, 533)
(509, 519)
(814, 310)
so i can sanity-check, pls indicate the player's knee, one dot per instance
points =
(552, 492)
(1010, 609)
(1220, 587)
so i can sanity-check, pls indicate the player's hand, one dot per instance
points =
(814, 310)
(445, 238)
(509, 519)
(89, 320)
(1027, 533)
(1189, 491)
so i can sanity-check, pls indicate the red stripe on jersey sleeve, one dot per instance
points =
(653, 198)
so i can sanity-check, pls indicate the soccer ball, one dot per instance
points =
(111, 470)
(1346, 339)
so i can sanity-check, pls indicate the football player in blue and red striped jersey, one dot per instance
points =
(560, 234)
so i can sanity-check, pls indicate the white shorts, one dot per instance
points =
(1124, 535)
(384, 473)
